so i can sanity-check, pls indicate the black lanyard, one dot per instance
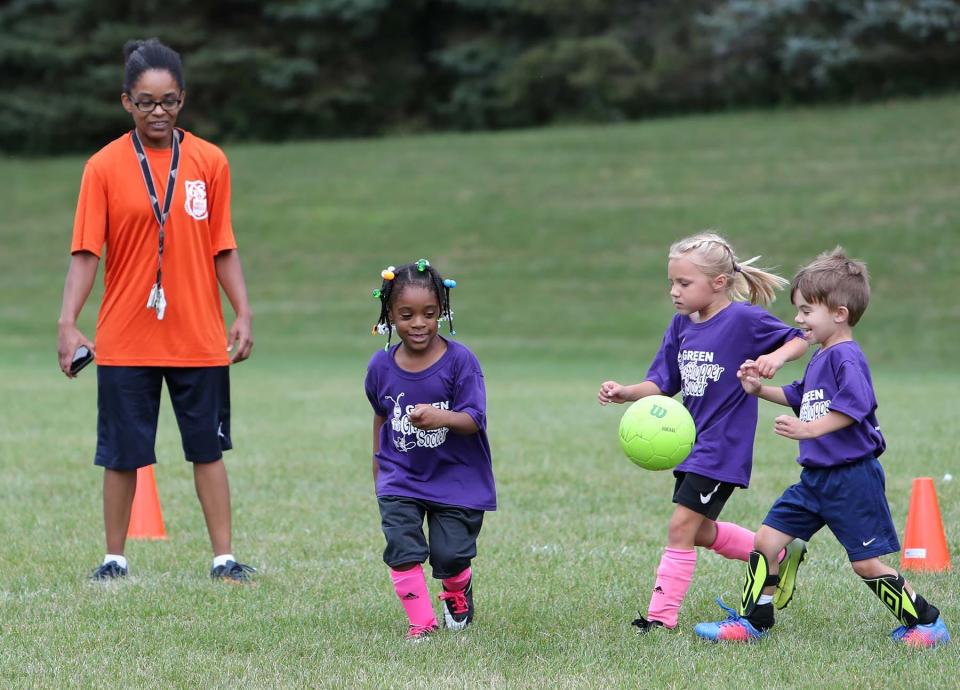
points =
(160, 215)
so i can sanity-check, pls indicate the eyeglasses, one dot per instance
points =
(168, 104)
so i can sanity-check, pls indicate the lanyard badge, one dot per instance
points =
(157, 300)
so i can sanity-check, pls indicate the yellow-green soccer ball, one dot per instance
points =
(657, 432)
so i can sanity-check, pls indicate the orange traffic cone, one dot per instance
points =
(924, 542)
(146, 518)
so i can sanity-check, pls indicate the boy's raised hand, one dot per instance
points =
(749, 375)
(611, 391)
(791, 427)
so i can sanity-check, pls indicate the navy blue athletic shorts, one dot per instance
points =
(849, 499)
(128, 405)
(453, 534)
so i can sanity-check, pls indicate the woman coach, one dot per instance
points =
(158, 200)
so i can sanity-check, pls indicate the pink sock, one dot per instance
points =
(734, 542)
(673, 581)
(457, 582)
(411, 587)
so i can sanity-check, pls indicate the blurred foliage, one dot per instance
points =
(809, 49)
(290, 69)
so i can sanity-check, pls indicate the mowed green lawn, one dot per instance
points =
(558, 240)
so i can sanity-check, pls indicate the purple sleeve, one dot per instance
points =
(664, 370)
(370, 385)
(794, 394)
(470, 394)
(854, 396)
(769, 332)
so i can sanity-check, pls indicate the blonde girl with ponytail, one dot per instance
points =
(719, 324)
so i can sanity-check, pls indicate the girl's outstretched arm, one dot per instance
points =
(770, 363)
(749, 376)
(428, 417)
(611, 391)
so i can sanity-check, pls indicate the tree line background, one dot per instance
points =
(294, 69)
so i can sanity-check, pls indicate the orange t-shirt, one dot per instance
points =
(114, 210)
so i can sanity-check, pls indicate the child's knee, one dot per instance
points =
(871, 567)
(447, 564)
(768, 542)
(684, 525)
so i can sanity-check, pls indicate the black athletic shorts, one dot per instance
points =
(128, 405)
(453, 534)
(701, 494)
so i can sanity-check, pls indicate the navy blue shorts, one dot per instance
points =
(128, 405)
(453, 534)
(849, 499)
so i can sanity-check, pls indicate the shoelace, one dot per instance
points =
(239, 570)
(107, 571)
(732, 616)
(458, 600)
(418, 631)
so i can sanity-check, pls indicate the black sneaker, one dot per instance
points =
(231, 571)
(644, 626)
(458, 607)
(108, 571)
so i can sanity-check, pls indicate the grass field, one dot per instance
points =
(558, 240)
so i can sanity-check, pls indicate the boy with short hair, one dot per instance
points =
(842, 483)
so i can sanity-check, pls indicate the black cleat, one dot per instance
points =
(234, 572)
(458, 607)
(644, 626)
(107, 572)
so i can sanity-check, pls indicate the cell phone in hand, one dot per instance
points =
(81, 358)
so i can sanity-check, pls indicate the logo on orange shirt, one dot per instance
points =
(196, 203)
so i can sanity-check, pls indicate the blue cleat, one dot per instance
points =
(734, 629)
(929, 635)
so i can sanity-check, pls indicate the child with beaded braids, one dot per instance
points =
(431, 457)
(713, 332)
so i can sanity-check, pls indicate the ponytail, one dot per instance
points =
(713, 255)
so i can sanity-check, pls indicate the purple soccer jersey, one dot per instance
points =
(838, 379)
(701, 361)
(437, 465)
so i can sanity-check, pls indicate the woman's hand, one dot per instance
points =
(69, 339)
(240, 339)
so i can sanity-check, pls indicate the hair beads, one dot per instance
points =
(419, 273)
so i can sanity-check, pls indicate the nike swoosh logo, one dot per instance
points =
(706, 499)
(867, 543)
